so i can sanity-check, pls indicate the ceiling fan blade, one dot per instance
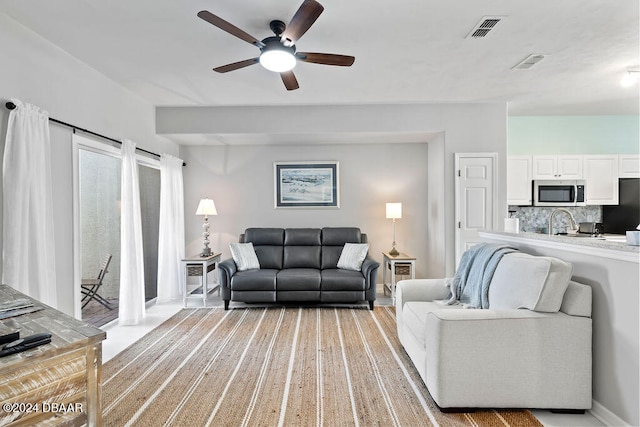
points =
(326, 58)
(289, 80)
(303, 19)
(236, 65)
(229, 28)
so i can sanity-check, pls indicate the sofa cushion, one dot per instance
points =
(269, 256)
(352, 256)
(267, 242)
(244, 256)
(264, 236)
(333, 240)
(298, 279)
(302, 236)
(338, 236)
(302, 257)
(577, 300)
(342, 280)
(525, 281)
(254, 280)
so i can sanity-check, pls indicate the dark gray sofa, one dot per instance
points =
(299, 265)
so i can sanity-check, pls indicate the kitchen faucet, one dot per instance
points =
(572, 220)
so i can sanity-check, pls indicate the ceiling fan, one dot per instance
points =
(278, 53)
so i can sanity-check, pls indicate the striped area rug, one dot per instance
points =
(276, 367)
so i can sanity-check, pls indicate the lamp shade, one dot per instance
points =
(206, 207)
(394, 210)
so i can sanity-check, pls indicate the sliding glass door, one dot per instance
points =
(99, 202)
(150, 208)
(98, 217)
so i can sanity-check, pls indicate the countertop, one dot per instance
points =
(613, 245)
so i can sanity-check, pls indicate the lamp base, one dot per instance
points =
(394, 252)
(206, 252)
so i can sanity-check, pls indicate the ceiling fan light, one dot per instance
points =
(277, 60)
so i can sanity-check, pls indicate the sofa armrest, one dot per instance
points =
(226, 270)
(526, 358)
(368, 266)
(418, 290)
(421, 290)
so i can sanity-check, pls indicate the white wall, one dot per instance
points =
(35, 71)
(613, 277)
(241, 183)
(452, 128)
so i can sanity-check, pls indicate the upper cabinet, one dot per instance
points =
(601, 175)
(600, 172)
(557, 167)
(629, 166)
(519, 180)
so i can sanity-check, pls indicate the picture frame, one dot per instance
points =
(306, 184)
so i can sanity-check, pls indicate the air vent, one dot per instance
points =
(484, 27)
(528, 62)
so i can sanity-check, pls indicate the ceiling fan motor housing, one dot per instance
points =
(271, 43)
(277, 26)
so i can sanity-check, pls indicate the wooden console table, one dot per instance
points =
(53, 384)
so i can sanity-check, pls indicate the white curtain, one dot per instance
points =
(28, 248)
(171, 240)
(131, 255)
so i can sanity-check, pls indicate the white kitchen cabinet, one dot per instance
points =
(601, 176)
(557, 167)
(519, 177)
(629, 166)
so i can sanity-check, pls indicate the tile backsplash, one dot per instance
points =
(536, 219)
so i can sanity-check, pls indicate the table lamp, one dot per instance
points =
(394, 211)
(206, 207)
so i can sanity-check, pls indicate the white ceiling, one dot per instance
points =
(413, 51)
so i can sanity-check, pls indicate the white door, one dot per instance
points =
(475, 198)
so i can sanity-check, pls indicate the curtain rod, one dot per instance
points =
(11, 106)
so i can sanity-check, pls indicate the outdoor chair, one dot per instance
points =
(90, 287)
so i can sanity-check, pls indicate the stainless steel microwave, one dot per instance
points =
(559, 192)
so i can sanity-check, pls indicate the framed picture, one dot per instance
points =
(306, 184)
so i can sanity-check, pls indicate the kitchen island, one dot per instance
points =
(612, 269)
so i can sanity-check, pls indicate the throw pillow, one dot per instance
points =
(352, 256)
(526, 281)
(244, 256)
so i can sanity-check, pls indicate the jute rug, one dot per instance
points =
(276, 366)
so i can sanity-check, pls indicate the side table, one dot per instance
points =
(199, 266)
(399, 265)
